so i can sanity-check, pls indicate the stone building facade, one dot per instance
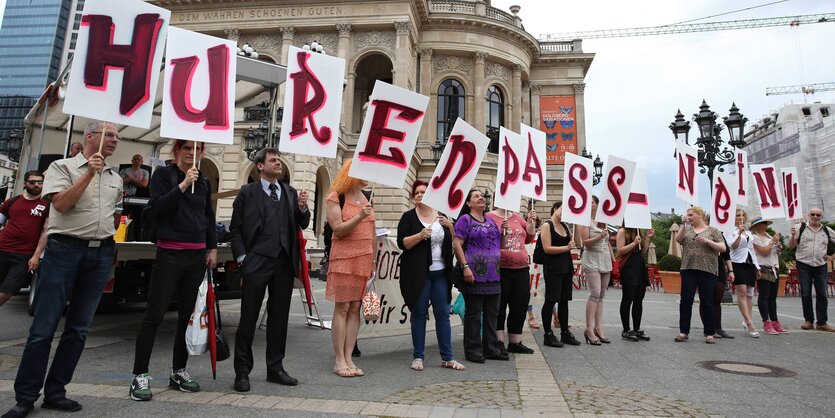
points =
(431, 47)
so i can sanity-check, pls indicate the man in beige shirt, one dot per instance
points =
(85, 193)
(811, 240)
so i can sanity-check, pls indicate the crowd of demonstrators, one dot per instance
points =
(23, 236)
(745, 270)
(634, 279)
(350, 214)
(426, 236)
(768, 248)
(700, 245)
(597, 261)
(811, 240)
(558, 270)
(181, 201)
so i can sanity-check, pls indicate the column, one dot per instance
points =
(517, 96)
(402, 54)
(535, 91)
(580, 108)
(344, 43)
(287, 34)
(526, 103)
(343, 50)
(427, 130)
(479, 121)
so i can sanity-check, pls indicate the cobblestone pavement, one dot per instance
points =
(601, 399)
(468, 394)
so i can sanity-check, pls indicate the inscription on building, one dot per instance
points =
(264, 13)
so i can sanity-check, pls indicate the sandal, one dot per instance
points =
(417, 365)
(532, 323)
(454, 365)
(357, 371)
(710, 340)
(681, 337)
(346, 372)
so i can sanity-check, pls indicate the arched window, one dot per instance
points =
(450, 107)
(495, 116)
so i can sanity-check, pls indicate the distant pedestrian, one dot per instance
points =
(634, 279)
(700, 247)
(557, 244)
(746, 269)
(768, 249)
(75, 148)
(597, 261)
(811, 240)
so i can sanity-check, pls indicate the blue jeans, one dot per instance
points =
(813, 276)
(705, 282)
(435, 290)
(69, 272)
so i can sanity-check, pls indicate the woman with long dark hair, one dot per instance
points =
(632, 253)
(558, 269)
(425, 236)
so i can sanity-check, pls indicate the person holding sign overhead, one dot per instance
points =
(597, 265)
(352, 262)
(700, 248)
(85, 193)
(181, 203)
(558, 268)
(746, 270)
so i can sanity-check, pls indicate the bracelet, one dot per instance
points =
(465, 266)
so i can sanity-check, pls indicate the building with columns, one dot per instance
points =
(474, 61)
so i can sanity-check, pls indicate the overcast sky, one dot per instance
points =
(2, 11)
(635, 85)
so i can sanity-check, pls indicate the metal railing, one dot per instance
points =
(470, 8)
(559, 47)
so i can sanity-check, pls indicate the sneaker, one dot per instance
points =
(778, 327)
(768, 328)
(140, 388)
(642, 335)
(551, 340)
(519, 348)
(720, 333)
(181, 381)
(629, 336)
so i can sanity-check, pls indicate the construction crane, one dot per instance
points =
(807, 89)
(792, 21)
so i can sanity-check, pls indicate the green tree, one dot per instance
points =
(662, 235)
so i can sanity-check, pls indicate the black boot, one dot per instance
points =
(568, 338)
(552, 341)
(642, 336)
(629, 336)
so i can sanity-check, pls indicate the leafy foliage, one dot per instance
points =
(662, 235)
(669, 263)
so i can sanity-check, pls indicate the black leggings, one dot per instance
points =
(633, 296)
(718, 295)
(516, 294)
(767, 300)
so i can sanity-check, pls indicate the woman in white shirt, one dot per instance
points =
(768, 248)
(746, 269)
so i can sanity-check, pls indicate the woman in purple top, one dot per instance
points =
(477, 247)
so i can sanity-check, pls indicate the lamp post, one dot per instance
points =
(256, 139)
(598, 166)
(13, 144)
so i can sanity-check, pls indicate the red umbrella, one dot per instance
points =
(304, 271)
(210, 303)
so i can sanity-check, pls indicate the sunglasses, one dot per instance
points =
(816, 215)
(34, 181)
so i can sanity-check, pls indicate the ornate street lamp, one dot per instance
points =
(255, 140)
(735, 122)
(247, 51)
(13, 144)
(488, 199)
(598, 166)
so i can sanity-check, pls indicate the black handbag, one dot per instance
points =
(458, 276)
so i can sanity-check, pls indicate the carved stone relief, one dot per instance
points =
(327, 40)
(492, 69)
(374, 39)
(215, 151)
(450, 62)
(264, 43)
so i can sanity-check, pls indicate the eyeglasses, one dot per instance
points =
(816, 215)
(109, 135)
(34, 181)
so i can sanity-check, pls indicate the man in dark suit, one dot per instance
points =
(265, 218)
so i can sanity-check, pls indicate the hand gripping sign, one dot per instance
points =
(312, 104)
(199, 94)
(576, 191)
(512, 150)
(533, 163)
(791, 193)
(769, 195)
(637, 205)
(742, 180)
(723, 202)
(457, 169)
(687, 188)
(117, 62)
(389, 135)
(617, 182)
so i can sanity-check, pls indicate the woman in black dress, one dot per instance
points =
(558, 269)
(632, 253)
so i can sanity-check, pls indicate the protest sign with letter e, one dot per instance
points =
(637, 205)
(723, 202)
(791, 193)
(617, 182)
(768, 191)
(456, 170)
(389, 135)
(687, 188)
(117, 62)
(512, 148)
(199, 94)
(576, 192)
(742, 180)
(312, 104)
(533, 164)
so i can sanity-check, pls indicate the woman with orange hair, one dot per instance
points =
(351, 216)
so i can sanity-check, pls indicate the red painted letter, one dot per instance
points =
(686, 174)
(740, 173)
(215, 113)
(304, 108)
(576, 173)
(617, 176)
(532, 167)
(721, 201)
(467, 152)
(511, 176)
(790, 190)
(380, 132)
(767, 187)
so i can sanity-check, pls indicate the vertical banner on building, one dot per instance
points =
(117, 62)
(768, 191)
(637, 205)
(723, 202)
(456, 171)
(557, 115)
(199, 89)
(742, 180)
(512, 152)
(617, 182)
(576, 191)
(791, 193)
(533, 164)
(389, 135)
(687, 185)
(312, 103)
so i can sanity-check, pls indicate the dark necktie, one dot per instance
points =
(273, 194)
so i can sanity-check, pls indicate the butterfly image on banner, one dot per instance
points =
(552, 136)
(567, 136)
(566, 110)
(567, 124)
(551, 147)
(550, 123)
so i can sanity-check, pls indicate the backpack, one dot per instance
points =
(149, 219)
(829, 246)
(327, 232)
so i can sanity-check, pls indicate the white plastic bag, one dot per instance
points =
(197, 333)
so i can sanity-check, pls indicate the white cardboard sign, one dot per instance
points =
(389, 135)
(533, 164)
(723, 202)
(576, 191)
(637, 205)
(617, 182)
(117, 61)
(512, 151)
(456, 171)
(312, 104)
(791, 193)
(687, 186)
(742, 177)
(199, 90)
(769, 193)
